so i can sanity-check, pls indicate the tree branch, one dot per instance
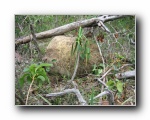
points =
(74, 73)
(107, 91)
(76, 91)
(126, 74)
(66, 28)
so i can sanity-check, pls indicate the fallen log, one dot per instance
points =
(127, 74)
(66, 28)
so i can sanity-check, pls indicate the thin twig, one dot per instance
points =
(34, 40)
(101, 94)
(44, 99)
(100, 52)
(29, 91)
(125, 66)
(101, 24)
(102, 89)
(111, 96)
(129, 99)
(104, 75)
(75, 71)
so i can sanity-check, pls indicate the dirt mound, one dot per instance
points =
(59, 48)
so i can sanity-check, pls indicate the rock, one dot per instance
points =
(60, 47)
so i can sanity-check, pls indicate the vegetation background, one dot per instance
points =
(140, 8)
(116, 47)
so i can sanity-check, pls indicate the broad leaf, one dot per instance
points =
(119, 86)
(54, 60)
(99, 71)
(43, 65)
(41, 78)
(26, 70)
(21, 80)
(110, 84)
(29, 79)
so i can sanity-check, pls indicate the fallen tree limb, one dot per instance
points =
(126, 74)
(107, 91)
(66, 28)
(76, 91)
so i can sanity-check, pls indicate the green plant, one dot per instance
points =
(91, 97)
(115, 85)
(119, 57)
(81, 46)
(93, 93)
(97, 70)
(35, 73)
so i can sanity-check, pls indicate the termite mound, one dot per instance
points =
(59, 48)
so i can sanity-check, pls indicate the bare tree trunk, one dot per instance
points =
(66, 28)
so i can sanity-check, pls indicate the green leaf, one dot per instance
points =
(21, 80)
(26, 70)
(39, 83)
(29, 79)
(110, 84)
(43, 65)
(72, 51)
(41, 78)
(87, 50)
(80, 32)
(76, 45)
(94, 66)
(101, 65)
(46, 64)
(47, 69)
(99, 71)
(54, 60)
(119, 86)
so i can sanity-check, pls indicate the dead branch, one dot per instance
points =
(127, 74)
(74, 73)
(66, 28)
(101, 25)
(125, 66)
(76, 91)
(132, 42)
(101, 94)
(107, 91)
(34, 40)
(129, 99)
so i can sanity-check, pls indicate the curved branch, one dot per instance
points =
(76, 91)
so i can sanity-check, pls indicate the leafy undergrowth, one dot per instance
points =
(85, 83)
(87, 86)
